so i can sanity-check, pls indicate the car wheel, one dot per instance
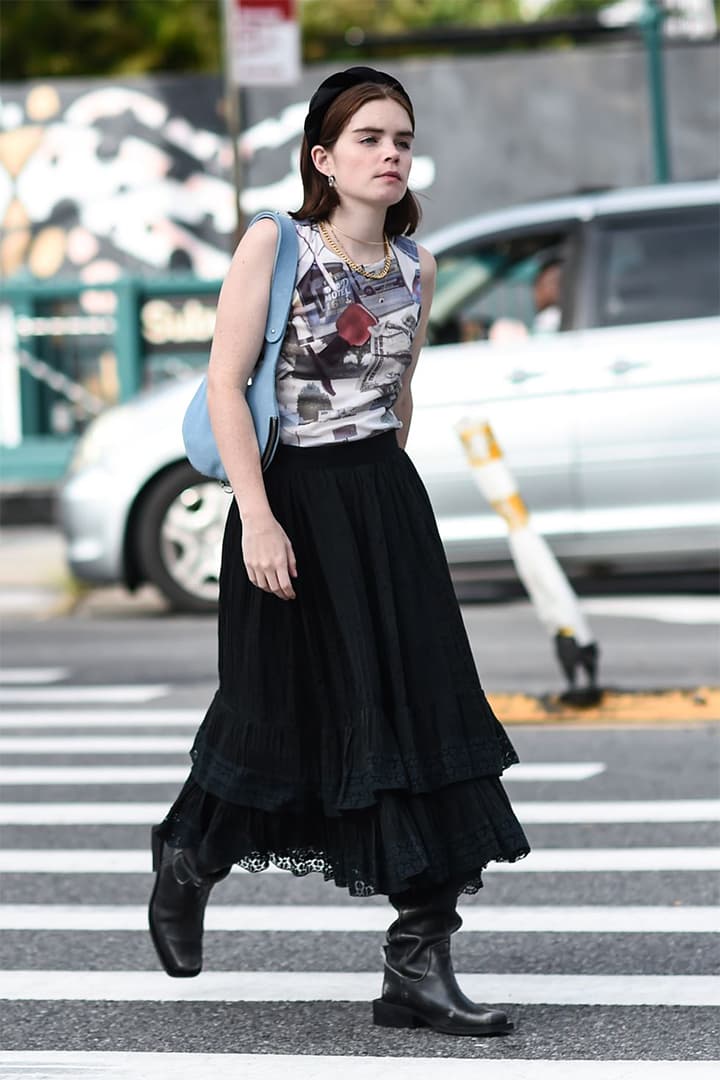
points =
(179, 538)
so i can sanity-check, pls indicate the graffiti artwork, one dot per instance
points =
(100, 180)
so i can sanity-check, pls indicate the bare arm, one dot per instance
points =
(237, 343)
(404, 405)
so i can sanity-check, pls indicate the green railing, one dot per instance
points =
(69, 350)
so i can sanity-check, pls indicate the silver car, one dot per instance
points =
(606, 406)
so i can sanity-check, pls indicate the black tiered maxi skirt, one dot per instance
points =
(349, 734)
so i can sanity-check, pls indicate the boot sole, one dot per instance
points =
(170, 969)
(386, 1014)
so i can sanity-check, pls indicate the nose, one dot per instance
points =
(391, 152)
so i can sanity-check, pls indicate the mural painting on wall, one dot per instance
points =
(99, 180)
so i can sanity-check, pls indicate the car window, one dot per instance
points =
(655, 268)
(488, 289)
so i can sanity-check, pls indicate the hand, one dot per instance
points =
(269, 557)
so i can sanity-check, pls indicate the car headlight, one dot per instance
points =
(106, 432)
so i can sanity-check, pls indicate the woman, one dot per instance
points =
(349, 734)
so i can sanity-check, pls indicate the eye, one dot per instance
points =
(404, 144)
(368, 139)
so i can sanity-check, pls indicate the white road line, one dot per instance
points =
(539, 861)
(100, 744)
(80, 695)
(661, 810)
(367, 918)
(674, 609)
(555, 771)
(99, 718)
(101, 774)
(89, 813)
(32, 675)
(537, 813)
(108, 1065)
(92, 774)
(37, 985)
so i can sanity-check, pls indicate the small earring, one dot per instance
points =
(331, 181)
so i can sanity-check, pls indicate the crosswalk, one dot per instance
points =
(599, 986)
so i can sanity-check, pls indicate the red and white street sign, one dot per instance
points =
(263, 42)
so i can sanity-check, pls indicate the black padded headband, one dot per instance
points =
(333, 86)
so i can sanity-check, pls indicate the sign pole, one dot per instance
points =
(233, 115)
(651, 21)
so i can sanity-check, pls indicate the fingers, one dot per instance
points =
(270, 561)
(282, 586)
(292, 565)
(273, 581)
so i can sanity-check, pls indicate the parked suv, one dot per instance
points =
(585, 329)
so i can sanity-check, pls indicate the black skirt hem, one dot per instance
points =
(403, 841)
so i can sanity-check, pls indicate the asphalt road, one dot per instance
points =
(646, 642)
(607, 968)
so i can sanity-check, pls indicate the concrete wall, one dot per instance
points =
(504, 129)
(102, 177)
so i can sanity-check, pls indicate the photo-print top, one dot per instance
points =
(347, 345)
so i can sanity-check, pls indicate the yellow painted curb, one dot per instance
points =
(633, 707)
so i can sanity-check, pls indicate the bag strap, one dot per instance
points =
(283, 277)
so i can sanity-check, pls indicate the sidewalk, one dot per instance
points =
(35, 581)
(33, 575)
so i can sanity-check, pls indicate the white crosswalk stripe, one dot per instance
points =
(96, 1065)
(526, 989)
(325, 918)
(115, 720)
(557, 772)
(535, 813)
(539, 861)
(80, 695)
(26, 719)
(84, 744)
(10, 676)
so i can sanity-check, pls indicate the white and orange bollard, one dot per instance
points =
(549, 589)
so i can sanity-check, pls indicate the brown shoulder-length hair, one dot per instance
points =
(319, 199)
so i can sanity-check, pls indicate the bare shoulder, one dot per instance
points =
(428, 266)
(261, 237)
(256, 251)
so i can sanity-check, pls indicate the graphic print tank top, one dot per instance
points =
(347, 345)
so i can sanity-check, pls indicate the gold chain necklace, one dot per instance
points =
(373, 243)
(336, 248)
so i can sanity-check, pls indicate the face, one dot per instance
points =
(547, 287)
(372, 156)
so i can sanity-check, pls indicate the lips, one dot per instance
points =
(390, 176)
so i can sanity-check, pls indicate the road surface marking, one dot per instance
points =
(697, 610)
(52, 775)
(539, 861)
(660, 810)
(32, 675)
(100, 718)
(100, 744)
(81, 985)
(351, 918)
(164, 774)
(80, 695)
(537, 813)
(108, 1065)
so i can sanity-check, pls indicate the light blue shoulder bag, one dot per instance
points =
(261, 396)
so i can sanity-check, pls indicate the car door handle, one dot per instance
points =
(520, 376)
(621, 367)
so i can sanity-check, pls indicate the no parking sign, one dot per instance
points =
(263, 42)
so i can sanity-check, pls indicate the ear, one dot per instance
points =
(322, 160)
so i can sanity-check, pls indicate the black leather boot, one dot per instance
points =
(177, 908)
(419, 985)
